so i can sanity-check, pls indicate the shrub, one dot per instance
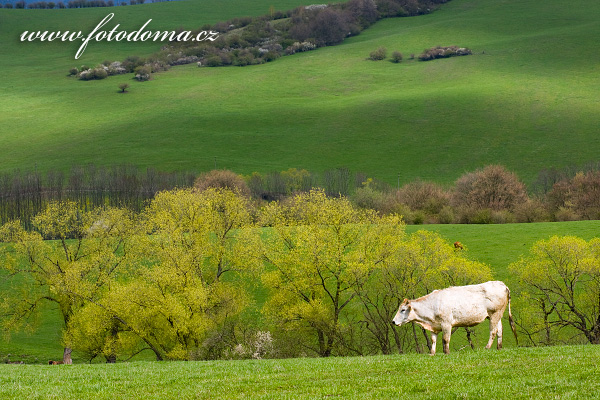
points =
(418, 217)
(132, 62)
(482, 216)
(329, 27)
(396, 57)
(115, 68)
(532, 210)
(142, 73)
(581, 193)
(378, 55)
(565, 214)
(223, 179)
(244, 58)
(73, 71)
(366, 197)
(123, 87)
(446, 215)
(99, 73)
(299, 47)
(494, 187)
(91, 74)
(213, 61)
(425, 196)
(443, 52)
(502, 217)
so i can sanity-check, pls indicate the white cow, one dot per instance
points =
(460, 306)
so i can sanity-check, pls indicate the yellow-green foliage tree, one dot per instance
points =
(88, 250)
(561, 279)
(188, 277)
(318, 250)
(415, 266)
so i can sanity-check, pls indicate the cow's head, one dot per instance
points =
(403, 315)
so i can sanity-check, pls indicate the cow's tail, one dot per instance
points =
(510, 319)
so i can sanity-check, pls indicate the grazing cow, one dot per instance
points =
(458, 245)
(460, 306)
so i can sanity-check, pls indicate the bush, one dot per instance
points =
(222, 179)
(299, 47)
(213, 61)
(580, 193)
(329, 27)
(446, 215)
(532, 210)
(494, 187)
(366, 197)
(565, 214)
(443, 52)
(378, 55)
(396, 57)
(483, 216)
(91, 74)
(73, 71)
(142, 73)
(418, 217)
(425, 196)
(99, 73)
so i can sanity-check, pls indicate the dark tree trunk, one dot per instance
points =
(397, 340)
(417, 344)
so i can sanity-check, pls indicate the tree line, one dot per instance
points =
(255, 40)
(491, 194)
(204, 274)
(25, 194)
(73, 4)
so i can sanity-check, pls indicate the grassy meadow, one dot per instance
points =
(527, 98)
(566, 372)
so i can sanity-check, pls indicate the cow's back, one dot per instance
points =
(469, 305)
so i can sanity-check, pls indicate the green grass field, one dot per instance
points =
(526, 99)
(529, 102)
(565, 372)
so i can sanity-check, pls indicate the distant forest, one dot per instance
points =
(35, 4)
(489, 195)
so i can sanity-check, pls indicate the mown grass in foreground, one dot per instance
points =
(551, 372)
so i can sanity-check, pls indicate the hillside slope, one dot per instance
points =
(527, 98)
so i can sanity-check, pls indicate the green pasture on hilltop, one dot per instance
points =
(496, 245)
(526, 99)
(566, 372)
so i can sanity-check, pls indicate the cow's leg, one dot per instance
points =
(494, 319)
(433, 343)
(500, 334)
(446, 333)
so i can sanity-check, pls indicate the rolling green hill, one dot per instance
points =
(527, 98)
